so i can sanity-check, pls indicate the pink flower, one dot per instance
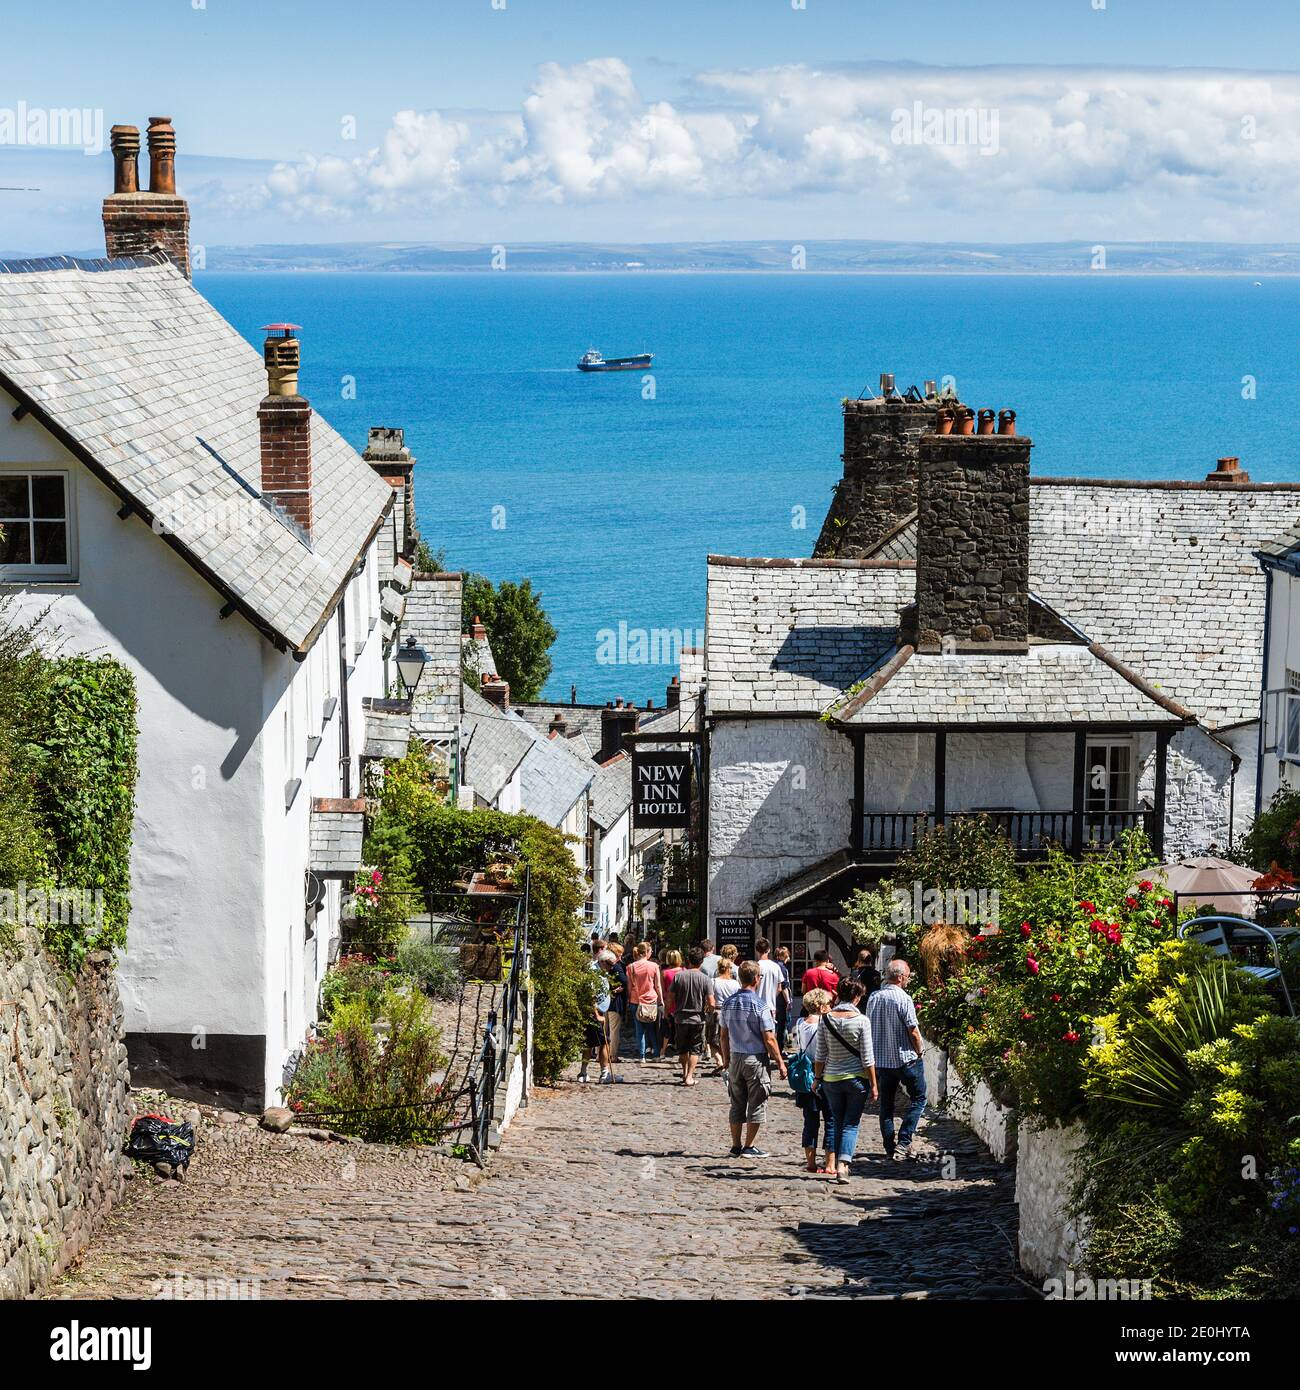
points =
(1026, 929)
(1032, 964)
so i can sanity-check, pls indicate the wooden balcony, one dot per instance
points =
(886, 835)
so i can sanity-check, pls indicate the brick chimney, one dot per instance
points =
(477, 630)
(972, 554)
(496, 691)
(616, 722)
(878, 490)
(138, 223)
(285, 420)
(1229, 470)
(557, 724)
(674, 693)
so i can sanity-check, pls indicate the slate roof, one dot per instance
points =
(388, 728)
(433, 619)
(792, 635)
(585, 719)
(494, 744)
(1051, 683)
(1163, 575)
(141, 377)
(611, 792)
(552, 779)
(336, 831)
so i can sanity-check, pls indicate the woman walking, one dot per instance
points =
(672, 964)
(783, 998)
(645, 996)
(614, 1019)
(845, 1068)
(813, 1103)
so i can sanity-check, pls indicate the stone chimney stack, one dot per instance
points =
(387, 454)
(674, 693)
(285, 420)
(617, 721)
(1229, 470)
(138, 223)
(496, 691)
(972, 553)
(878, 490)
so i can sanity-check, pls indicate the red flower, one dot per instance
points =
(1070, 1036)
(1145, 886)
(1088, 907)
(1026, 1015)
(1166, 902)
(1130, 901)
(1056, 999)
(1026, 929)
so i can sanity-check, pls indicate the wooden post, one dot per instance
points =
(940, 775)
(1162, 769)
(859, 790)
(1080, 791)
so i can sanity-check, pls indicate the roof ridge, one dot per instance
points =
(91, 265)
(1163, 485)
(808, 562)
(877, 683)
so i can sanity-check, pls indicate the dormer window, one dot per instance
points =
(35, 519)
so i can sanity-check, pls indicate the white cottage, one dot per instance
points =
(1074, 657)
(173, 502)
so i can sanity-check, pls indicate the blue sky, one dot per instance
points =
(570, 119)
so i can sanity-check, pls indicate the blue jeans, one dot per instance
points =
(647, 1033)
(912, 1079)
(814, 1109)
(846, 1100)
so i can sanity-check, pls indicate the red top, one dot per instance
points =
(819, 977)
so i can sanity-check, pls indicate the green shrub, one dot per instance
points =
(382, 1084)
(970, 853)
(1274, 838)
(354, 977)
(436, 969)
(869, 913)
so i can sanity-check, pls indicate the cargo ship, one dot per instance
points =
(593, 362)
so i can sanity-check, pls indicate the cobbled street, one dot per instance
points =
(598, 1191)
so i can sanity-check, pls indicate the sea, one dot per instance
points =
(608, 491)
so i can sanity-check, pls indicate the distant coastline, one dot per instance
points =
(769, 257)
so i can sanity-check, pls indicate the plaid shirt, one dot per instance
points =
(892, 1014)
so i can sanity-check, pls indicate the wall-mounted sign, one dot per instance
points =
(661, 790)
(736, 931)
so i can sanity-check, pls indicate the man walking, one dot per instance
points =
(596, 1039)
(691, 990)
(821, 975)
(896, 1042)
(749, 1050)
(773, 988)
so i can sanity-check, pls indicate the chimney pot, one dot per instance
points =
(1006, 422)
(284, 418)
(986, 422)
(674, 692)
(162, 155)
(496, 691)
(1229, 470)
(124, 140)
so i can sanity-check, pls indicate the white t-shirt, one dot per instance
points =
(709, 965)
(805, 1033)
(771, 980)
(724, 988)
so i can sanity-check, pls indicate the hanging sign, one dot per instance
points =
(661, 790)
(736, 931)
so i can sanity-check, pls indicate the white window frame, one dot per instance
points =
(1120, 741)
(1282, 719)
(48, 573)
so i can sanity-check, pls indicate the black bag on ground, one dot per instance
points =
(156, 1139)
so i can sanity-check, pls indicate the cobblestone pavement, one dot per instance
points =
(598, 1191)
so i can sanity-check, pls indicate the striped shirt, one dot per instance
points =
(838, 1061)
(892, 1014)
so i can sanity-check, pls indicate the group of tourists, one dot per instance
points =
(855, 1041)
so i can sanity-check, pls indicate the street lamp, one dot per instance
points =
(411, 661)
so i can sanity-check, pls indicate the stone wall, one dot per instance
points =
(878, 489)
(63, 1078)
(975, 1106)
(972, 547)
(1051, 1242)
(1198, 794)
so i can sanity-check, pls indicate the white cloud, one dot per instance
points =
(1176, 147)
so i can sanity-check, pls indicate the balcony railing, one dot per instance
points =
(885, 835)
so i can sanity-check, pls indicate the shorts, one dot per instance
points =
(595, 1035)
(689, 1036)
(749, 1083)
(713, 1029)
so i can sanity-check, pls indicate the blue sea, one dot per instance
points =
(609, 496)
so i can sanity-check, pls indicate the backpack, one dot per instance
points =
(800, 1072)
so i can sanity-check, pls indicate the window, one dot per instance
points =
(1110, 775)
(1290, 749)
(35, 519)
